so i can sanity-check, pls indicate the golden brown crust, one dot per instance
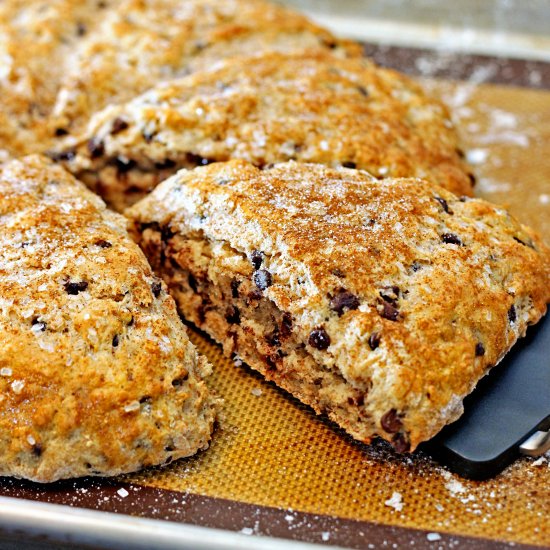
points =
(141, 43)
(63, 60)
(447, 285)
(97, 374)
(309, 107)
(37, 38)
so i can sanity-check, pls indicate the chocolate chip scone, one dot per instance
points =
(97, 374)
(309, 107)
(140, 43)
(378, 302)
(63, 60)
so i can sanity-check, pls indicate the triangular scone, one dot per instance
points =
(380, 303)
(139, 43)
(97, 374)
(66, 59)
(310, 107)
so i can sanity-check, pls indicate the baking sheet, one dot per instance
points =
(274, 468)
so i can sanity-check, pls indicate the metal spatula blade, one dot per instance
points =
(508, 414)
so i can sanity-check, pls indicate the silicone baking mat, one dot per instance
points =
(274, 468)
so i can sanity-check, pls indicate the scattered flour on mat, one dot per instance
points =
(395, 502)
(452, 484)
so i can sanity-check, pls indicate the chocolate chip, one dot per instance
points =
(102, 243)
(319, 339)
(115, 341)
(156, 288)
(416, 266)
(451, 238)
(480, 349)
(74, 288)
(37, 449)
(400, 443)
(59, 132)
(374, 340)
(349, 164)
(166, 164)
(124, 165)
(80, 29)
(473, 179)
(177, 382)
(60, 156)
(40, 325)
(272, 338)
(233, 315)
(460, 153)
(286, 325)
(443, 204)
(95, 147)
(119, 125)
(391, 422)
(257, 258)
(197, 160)
(254, 295)
(512, 316)
(235, 284)
(389, 311)
(263, 279)
(363, 91)
(344, 301)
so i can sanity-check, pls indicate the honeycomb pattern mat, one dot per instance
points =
(270, 450)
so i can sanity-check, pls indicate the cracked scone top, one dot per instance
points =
(378, 302)
(97, 374)
(63, 60)
(310, 107)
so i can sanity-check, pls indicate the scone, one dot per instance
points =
(378, 302)
(140, 43)
(63, 60)
(309, 107)
(97, 374)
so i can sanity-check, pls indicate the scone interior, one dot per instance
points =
(273, 107)
(378, 302)
(97, 374)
